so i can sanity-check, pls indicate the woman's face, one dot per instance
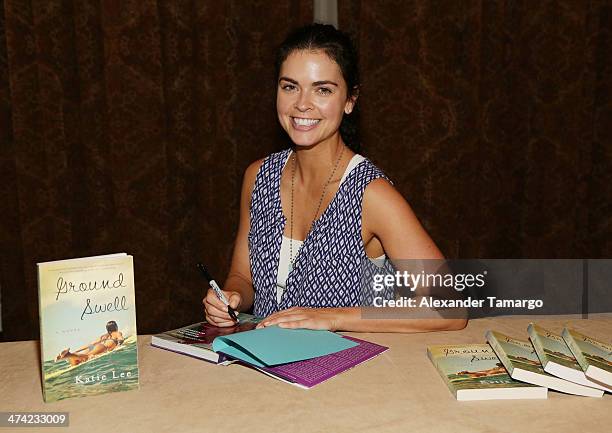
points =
(311, 97)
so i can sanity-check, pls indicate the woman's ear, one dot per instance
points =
(351, 101)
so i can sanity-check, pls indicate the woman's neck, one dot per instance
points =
(315, 162)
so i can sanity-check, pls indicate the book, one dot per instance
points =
(522, 363)
(556, 357)
(196, 340)
(308, 373)
(474, 372)
(594, 356)
(87, 326)
(263, 347)
(300, 357)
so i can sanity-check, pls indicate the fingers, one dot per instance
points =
(216, 311)
(282, 313)
(297, 322)
(221, 324)
(218, 314)
(300, 324)
(268, 321)
(235, 300)
(304, 318)
(212, 299)
(216, 318)
(285, 316)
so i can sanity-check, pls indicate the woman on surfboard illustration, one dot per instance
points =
(105, 343)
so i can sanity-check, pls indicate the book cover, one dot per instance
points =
(87, 326)
(474, 372)
(197, 340)
(594, 356)
(556, 357)
(520, 359)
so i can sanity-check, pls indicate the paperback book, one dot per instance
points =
(556, 357)
(300, 357)
(474, 372)
(594, 356)
(87, 326)
(197, 340)
(521, 361)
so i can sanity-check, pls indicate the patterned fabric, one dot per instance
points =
(332, 268)
(116, 135)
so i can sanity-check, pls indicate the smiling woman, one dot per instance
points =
(316, 216)
(309, 109)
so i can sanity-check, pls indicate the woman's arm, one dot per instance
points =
(388, 217)
(238, 287)
(350, 319)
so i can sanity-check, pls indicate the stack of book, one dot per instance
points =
(300, 357)
(511, 368)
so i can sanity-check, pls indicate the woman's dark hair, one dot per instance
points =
(111, 326)
(339, 47)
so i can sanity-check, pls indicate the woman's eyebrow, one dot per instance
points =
(324, 82)
(316, 83)
(287, 79)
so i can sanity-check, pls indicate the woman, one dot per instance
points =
(310, 215)
(109, 341)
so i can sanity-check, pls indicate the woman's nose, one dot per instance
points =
(303, 102)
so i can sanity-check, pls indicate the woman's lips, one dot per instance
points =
(304, 124)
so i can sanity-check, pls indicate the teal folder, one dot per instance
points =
(272, 345)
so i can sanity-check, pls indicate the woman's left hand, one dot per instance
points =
(306, 318)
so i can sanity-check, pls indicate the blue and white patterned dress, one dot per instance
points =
(332, 268)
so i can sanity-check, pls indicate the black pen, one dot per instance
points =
(218, 291)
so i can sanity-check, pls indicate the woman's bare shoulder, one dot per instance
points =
(380, 192)
(250, 174)
(253, 168)
(387, 215)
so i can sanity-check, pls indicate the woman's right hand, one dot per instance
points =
(215, 310)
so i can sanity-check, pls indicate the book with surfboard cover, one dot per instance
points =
(87, 326)
(594, 356)
(474, 372)
(520, 359)
(557, 358)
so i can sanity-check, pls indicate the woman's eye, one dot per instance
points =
(288, 87)
(324, 91)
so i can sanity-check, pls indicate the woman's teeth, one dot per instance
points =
(305, 122)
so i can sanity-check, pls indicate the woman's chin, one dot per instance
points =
(304, 145)
(304, 142)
